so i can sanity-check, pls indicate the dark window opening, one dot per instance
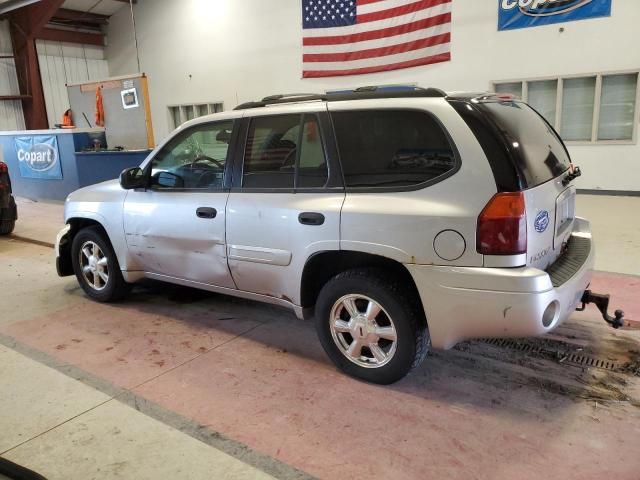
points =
(278, 146)
(391, 148)
(522, 147)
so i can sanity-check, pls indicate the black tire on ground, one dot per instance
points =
(8, 218)
(406, 313)
(115, 288)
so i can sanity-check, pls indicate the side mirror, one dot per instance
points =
(133, 178)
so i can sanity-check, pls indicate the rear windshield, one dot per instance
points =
(536, 152)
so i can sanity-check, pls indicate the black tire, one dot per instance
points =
(8, 218)
(402, 308)
(115, 288)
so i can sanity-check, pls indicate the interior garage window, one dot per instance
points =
(178, 114)
(543, 97)
(512, 88)
(617, 107)
(598, 108)
(391, 148)
(578, 101)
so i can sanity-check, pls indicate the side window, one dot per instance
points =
(391, 148)
(194, 159)
(276, 145)
(270, 154)
(312, 169)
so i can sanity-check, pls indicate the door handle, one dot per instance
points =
(311, 218)
(206, 212)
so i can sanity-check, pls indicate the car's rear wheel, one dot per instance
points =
(96, 266)
(370, 327)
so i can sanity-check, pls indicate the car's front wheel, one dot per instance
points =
(96, 266)
(370, 327)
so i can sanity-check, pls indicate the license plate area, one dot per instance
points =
(565, 213)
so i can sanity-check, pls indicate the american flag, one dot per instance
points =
(352, 37)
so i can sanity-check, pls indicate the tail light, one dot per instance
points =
(502, 225)
(3, 167)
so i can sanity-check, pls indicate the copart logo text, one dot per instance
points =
(39, 157)
(543, 8)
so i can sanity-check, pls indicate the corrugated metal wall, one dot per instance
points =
(11, 117)
(62, 63)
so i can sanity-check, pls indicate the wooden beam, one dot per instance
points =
(71, 36)
(34, 17)
(14, 97)
(71, 17)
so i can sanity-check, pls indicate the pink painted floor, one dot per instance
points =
(257, 375)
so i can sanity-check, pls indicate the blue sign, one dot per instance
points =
(531, 13)
(38, 157)
(542, 221)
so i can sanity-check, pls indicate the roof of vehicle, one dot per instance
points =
(371, 92)
(361, 93)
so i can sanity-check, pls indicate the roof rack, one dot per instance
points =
(361, 93)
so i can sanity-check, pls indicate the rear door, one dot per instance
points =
(540, 161)
(286, 200)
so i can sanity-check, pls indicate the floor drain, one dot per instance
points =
(560, 355)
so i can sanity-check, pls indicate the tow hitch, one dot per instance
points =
(601, 301)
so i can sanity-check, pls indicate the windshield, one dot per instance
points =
(536, 149)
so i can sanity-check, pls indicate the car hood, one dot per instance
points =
(99, 192)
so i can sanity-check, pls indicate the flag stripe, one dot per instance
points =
(378, 34)
(415, 34)
(377, 52)
(399, 11)
(381, 24)
(367, 2)
(366, 62)
(380, 5)
(443, 57)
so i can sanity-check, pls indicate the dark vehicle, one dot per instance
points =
(8, 208)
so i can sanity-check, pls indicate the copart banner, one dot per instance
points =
(531, 13)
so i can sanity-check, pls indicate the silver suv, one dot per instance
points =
(400, 220)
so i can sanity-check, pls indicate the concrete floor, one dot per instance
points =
(177, 383)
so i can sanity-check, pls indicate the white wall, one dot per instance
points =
(62, 63)
(11, 117)
(238, 50)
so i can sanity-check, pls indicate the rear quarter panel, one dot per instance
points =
(403, 225)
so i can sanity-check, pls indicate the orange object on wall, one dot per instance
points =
(99, 108)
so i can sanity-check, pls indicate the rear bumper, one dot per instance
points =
(470, 302)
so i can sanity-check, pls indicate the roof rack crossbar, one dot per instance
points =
(362, 94)
(281, 96)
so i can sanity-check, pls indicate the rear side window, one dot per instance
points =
(391, 148)
(535, 149)
(283, 152)
(270, 155)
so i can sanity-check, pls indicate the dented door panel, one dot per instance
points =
(166, 236)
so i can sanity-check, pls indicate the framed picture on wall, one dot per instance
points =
(129, 98)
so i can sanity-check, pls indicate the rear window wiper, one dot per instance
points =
(574, 172)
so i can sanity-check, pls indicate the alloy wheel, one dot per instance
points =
(94, 265)
(363, 331)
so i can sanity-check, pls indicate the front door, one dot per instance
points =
(176, 227)
(285, 204)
